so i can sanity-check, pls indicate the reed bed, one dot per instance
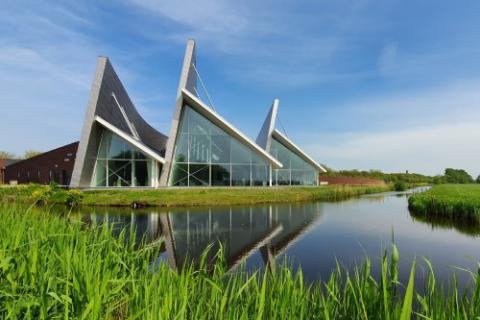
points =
(53, 268)
(457, 202)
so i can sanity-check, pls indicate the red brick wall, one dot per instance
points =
(351, 181)
(55, 165)
(2, 171)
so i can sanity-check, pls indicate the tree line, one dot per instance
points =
(27, 155)
(450, 175)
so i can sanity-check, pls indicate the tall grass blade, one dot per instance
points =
(408, 299)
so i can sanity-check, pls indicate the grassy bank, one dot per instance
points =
(452, 201)
(50, 268)
(183, 197)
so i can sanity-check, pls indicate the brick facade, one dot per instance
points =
(350, 181)
(52, 166)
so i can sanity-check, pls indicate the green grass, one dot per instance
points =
(186, 197)
(458, 202)
(51, 268)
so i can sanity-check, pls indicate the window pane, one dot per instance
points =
(220, 149)
(199, 148)
(298, 177)
(283, 154)
(180, 174)
(119, 173)
(183, 127)
(181, 149)
(100, 173)
(260, 175)
(117, 148)
(221, 175)
(240, 175)
(143, 173)
(199, 175)
(240, 153)
(104, 145)
(197, 123)
(138, 155)
(297, 162)
(283, 177)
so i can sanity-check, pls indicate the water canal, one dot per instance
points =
(313, 235)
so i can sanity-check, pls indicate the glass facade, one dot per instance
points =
(295, 171)
(205, 155)
(119, 164)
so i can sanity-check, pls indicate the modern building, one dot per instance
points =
(118, 148)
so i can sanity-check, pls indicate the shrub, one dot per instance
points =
(42, 195)
(400, 186)
(73, 197)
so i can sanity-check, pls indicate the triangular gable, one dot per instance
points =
(268, 132)
(110, 101)
(295, 149)
(264, 138)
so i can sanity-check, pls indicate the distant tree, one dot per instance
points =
(478, 179)
(7, 155)
(31, 153)
(439, 179)
(457, 176)
(327, 168)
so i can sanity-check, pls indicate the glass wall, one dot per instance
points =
(205, 155)
(295, 171)
(119, 164)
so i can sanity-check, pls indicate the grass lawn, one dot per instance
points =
(184, 197)
(456, 201)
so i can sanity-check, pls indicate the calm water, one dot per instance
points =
(311, 235)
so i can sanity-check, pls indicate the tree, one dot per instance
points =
(457, 176)
(327, 168)
(7, 155)
(478, 179)
(31, 153)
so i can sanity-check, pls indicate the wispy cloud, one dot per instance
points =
(263, 41)
(423, 149)
(423, 131)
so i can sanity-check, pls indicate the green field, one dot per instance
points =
(52, 268)
(453, 201)
(184, 197)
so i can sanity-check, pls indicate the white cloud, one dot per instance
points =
(262, 41)
(425, 149)
(421, 131)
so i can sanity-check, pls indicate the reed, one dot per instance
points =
(457, 202)
(51, 267)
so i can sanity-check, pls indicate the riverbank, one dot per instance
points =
(452, 201)
(51, 267)
(183, 197)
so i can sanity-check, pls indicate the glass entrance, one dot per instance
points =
(119, 164)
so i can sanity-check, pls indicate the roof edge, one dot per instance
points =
(278, 135)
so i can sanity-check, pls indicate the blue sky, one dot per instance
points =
(389, 85)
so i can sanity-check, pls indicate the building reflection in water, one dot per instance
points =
(183, 235)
